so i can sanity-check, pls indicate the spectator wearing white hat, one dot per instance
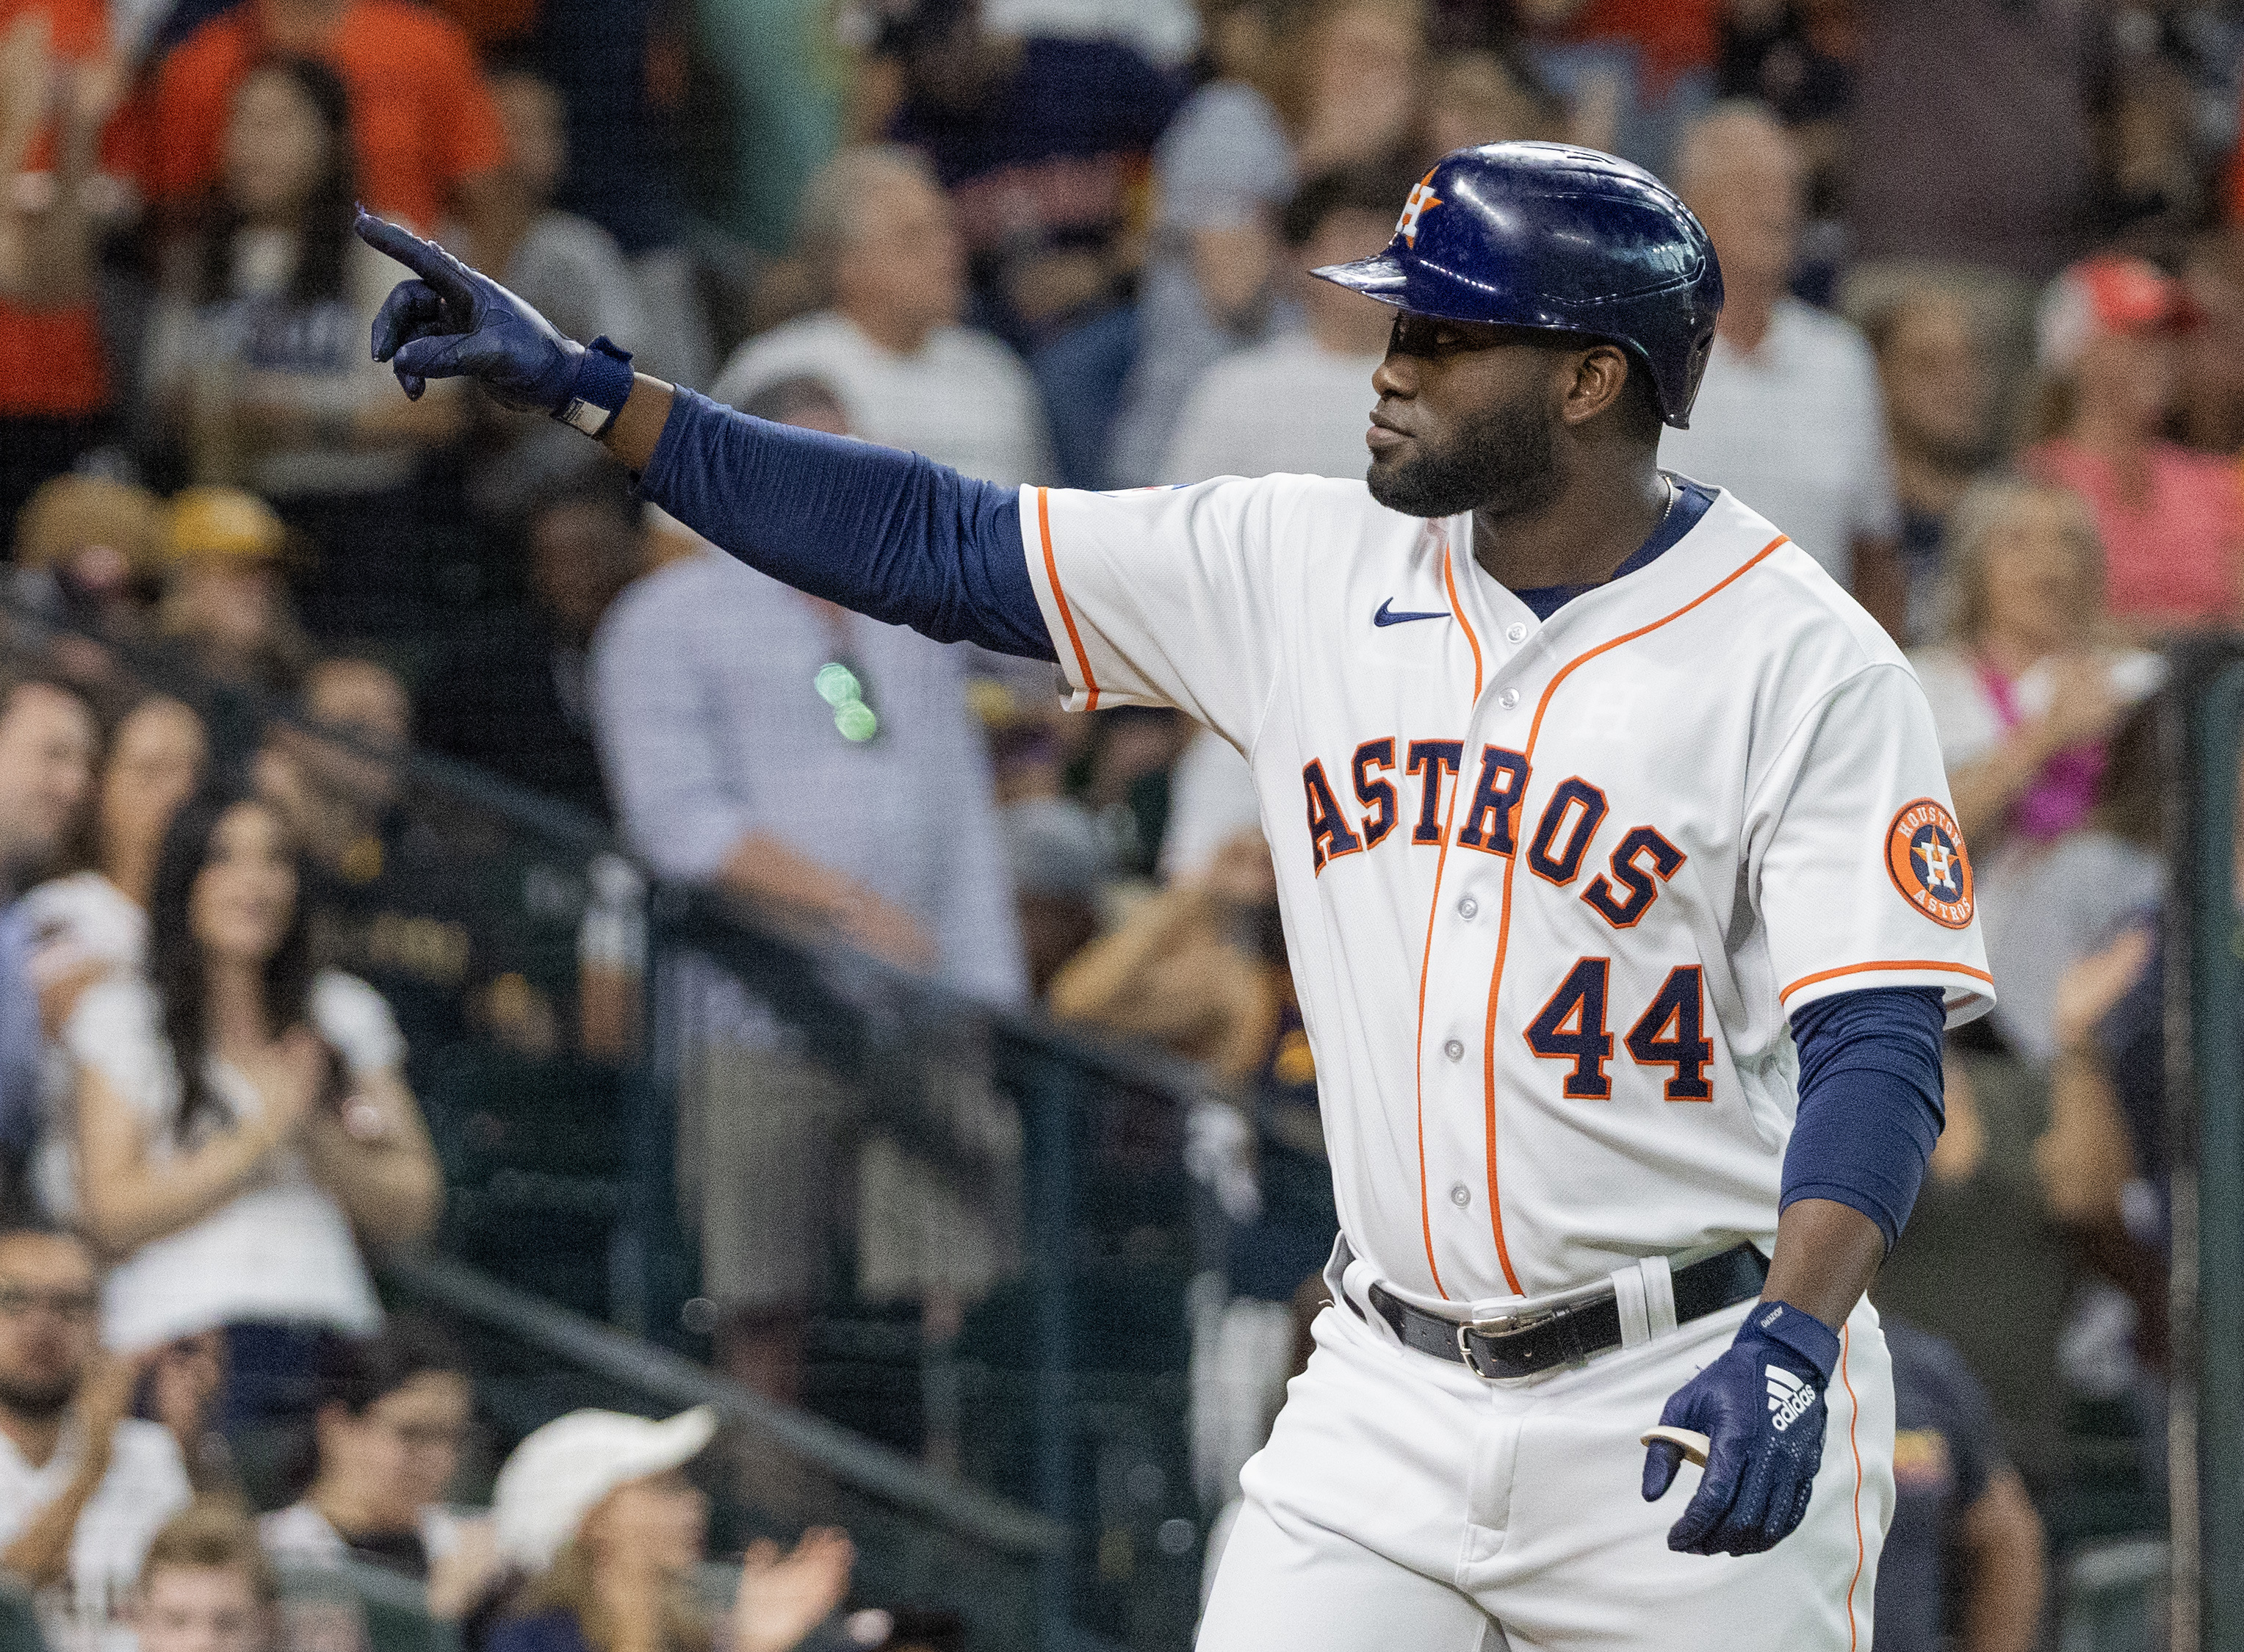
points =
(597, 1507)
(2169, 518)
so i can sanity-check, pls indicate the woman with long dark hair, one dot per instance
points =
(258, 373)
(240, 1113)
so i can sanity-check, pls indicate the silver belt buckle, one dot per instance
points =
(1496, 1325)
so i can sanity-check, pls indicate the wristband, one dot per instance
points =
(602, 386)
(1796, 1329)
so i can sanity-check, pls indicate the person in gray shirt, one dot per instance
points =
(769, 744)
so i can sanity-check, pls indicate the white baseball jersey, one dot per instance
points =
(1550, 888)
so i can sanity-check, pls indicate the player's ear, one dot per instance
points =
(1599, 377)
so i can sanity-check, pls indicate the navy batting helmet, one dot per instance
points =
(1560, 239)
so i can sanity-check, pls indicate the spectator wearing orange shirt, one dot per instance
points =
(422, 121)
(257, 365)
(54, 382)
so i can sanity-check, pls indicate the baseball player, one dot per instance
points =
(1620, 880)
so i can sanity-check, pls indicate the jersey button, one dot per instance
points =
(1460, 1195)
(1454, 1050)
(1468, 907)
(1508, 699)
(1517, 633)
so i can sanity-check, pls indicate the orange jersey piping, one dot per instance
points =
(1059, 596)
(1426, 962)
(1887, 964)
(1854, 1418)
(1503, 931)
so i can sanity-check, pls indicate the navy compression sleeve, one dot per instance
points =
(887, 533)
(1870, 1105)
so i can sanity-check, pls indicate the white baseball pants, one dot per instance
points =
(1402, 1502)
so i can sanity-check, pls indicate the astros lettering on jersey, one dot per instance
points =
(1550, 888)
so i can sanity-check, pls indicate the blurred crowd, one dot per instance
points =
(1983, 356)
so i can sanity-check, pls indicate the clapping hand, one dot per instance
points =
(783, 1598)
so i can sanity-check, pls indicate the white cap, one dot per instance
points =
(556, 1475)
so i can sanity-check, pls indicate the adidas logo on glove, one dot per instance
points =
(1789, 1397)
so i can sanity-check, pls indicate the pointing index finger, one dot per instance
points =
(431, 262)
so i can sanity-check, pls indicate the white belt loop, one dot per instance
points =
(1659, 1294)
(1645, 1293)
(1628, 1297)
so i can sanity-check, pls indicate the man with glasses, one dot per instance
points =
(83, 1486)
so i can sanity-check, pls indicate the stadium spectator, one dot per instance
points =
(92, 921)
(88, 551)
(1789, 415)
(891, 345)
(2169, 518)
(596, 1508)
(1043, 142)
(339, 794)
(568, 267)
(721, 700)
(206, 1587)
(1293, 97)
(257, 366)
(514, 692)
(225, 608)
(421, 120)
(1201, 968)
(184, 1388)
(2210, 398)
(1190, 967)
(1653, 60)
(1962, 1566)
(1300, 403)
(1061, 862)
(393, 1417)
(84, 1485)
(1939, 379)
(389, 895)
(1486, 98)
(239, 1115)
(48, 744)
(58, 87)
(1970, 138)
(2025, 692)
(95, 915)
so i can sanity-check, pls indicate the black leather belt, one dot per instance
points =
(1573, 1334)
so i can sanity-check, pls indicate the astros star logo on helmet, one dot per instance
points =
(1421, 201)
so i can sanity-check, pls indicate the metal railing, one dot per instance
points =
(2204, 1060)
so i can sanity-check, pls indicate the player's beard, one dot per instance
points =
(1505, 465)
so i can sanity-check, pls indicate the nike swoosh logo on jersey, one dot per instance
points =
(1387, 616)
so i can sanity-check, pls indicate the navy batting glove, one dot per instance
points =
(456, 322)
(1761, 1405)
